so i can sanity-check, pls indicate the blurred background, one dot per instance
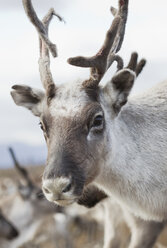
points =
(86, 24)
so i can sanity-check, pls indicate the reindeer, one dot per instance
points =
(45, 219)
(7, 229)
(28, 209)
(99, 135)
(31, 192)
(118, 222)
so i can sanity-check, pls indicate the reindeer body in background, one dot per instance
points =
(27, 208)
(35, 217)
(97, 135)
(30, 191)
(7, 230)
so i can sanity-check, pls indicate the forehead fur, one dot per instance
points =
(69, 99)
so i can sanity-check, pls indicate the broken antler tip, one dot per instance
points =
(51, 10)
(113, 11)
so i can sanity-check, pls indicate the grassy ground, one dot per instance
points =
(79, 232)
(34, 171)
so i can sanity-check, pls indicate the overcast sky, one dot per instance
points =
(86, 24)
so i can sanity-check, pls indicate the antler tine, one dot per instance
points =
(133, 61)
(45, 44)
(123, 13)
(98, 63)
(22, 171)
(39, 26)
(113, 10)
(140, 66)
(135, 66)
(113, 57)
(44, 59)
(112, 44)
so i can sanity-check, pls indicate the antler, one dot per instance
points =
(45, 44)
(39, 26)
(22, 171)
(107, 54)
(134, 66)
(123, 80)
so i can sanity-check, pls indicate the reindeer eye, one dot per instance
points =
(98, 122)
(96, 126)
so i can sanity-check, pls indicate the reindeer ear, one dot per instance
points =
(122, 83)
(119, 88)
(28, 97)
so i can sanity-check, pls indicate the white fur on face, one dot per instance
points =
(70, 99)
(53, 191)
(136, 172)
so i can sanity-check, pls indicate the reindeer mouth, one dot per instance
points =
(65, 202)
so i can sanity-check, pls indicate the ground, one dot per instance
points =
(60, 230)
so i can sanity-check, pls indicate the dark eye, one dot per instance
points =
(98, 121)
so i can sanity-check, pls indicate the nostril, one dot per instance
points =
(67, 188)
(47, 191)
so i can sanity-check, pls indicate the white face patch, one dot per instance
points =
(53, 188)
(69, 100)
(53, 191)
(56, 184)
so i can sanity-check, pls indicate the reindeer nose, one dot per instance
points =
(54, 189)
(48, 190)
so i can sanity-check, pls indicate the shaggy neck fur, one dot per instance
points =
(134, 170)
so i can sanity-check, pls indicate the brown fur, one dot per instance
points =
(73, 155)
(92, 92)
(91, 196)
(7, 230)
(51, 92)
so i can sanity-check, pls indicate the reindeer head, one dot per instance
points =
(76, 118)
